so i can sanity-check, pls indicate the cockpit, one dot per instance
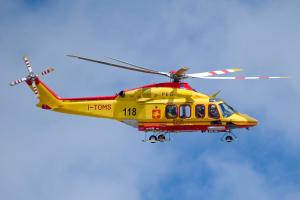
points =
(217, 105)
(226, 110)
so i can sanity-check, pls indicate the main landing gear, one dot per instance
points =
(156, 138)
(228, 137)
(164, 137)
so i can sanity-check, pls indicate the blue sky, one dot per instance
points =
(47, 155)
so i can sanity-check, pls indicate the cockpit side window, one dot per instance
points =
(171, 111)
(185, 111)
(213, 111)
(200, 111)
(227, 110)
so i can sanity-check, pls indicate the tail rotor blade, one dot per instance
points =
(47, 71)
(18, 81)
(35, 90)
(27, 63)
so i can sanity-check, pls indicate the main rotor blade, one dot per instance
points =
(213, 73)
(17, 81)
(127, 63)
(138, 69)
(27, 63)
(244, 77)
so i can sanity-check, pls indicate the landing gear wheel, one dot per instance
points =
(153, 139)
(161, 138)
(229, 138)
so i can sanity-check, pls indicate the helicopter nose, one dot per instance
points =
(250, 120)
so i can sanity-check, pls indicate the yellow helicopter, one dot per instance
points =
(159, 109)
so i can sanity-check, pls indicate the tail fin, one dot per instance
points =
(47, 98)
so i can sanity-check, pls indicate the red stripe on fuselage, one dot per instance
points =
(190, 128)
(38, 81)
(178, 128)
(181, 85)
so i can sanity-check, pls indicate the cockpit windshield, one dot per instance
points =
(227, 110)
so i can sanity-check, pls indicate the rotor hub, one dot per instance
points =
(31, 77)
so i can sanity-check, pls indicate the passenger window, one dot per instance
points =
(171, 111)
(213, 111)
(200, 111)
(185, 111)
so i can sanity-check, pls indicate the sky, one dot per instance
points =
(48, 155)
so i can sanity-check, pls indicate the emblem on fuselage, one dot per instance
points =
(156, 114)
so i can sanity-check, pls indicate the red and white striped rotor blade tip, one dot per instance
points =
(213, 73)
(18, 81)
(27, 63)
(35, 90)
(245, 77)
(47, 71)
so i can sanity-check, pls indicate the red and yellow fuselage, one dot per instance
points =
(163, 107)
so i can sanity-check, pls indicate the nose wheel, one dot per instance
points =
(228, 137)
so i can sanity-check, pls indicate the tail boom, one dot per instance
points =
(101, 106)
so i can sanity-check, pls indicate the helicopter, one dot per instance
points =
(160, 109)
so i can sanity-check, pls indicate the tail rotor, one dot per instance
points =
(31, 77)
